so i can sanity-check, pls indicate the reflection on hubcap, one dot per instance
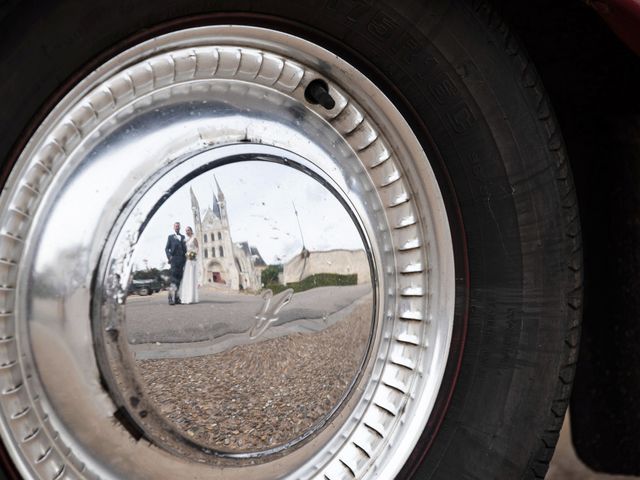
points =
(277, 311)
(334, 378)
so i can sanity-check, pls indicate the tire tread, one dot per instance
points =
(530, 80)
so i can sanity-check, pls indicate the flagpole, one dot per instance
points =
(299, 227)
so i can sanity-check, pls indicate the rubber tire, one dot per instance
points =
(475, 102)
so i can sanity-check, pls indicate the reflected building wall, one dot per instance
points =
(250, 265)
(223, 264)
(339, 261)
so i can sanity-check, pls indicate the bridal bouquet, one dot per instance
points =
(191, 255)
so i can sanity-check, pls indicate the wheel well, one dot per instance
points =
(592, 79)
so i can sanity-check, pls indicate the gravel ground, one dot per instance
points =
(262, 395)
(259, 396)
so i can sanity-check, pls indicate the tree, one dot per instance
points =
(270, 274)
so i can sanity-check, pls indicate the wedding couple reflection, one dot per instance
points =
(182, 255)
(282, 326)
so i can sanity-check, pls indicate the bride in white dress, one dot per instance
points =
(189, 283)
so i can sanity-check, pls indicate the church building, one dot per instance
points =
(223, 263)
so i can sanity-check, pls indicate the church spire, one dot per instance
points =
(220, 194)
(195, 209)
(222, 208)
(215, 206)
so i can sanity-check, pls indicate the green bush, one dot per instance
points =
(150, 274)
(317, 280)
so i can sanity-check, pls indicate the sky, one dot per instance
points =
(260, 198)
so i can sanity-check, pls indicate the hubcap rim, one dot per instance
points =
(46, 426)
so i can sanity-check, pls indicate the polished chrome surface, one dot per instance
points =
(132, 130)
(243, 371)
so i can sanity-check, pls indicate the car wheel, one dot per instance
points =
(427, 124)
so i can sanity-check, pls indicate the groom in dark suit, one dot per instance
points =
(176, 251)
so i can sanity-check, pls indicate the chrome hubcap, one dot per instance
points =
(77, 220)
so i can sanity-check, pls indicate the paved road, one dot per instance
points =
(151, 320)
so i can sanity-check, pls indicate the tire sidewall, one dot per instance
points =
(441, 65)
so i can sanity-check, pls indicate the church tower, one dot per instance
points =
(223, 264)
(197, 225)
(222, 204)
(218, 260)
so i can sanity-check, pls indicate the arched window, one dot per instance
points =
(221, 252)
(220, 238)
(205, 238)
(213, 251)
(206, 253)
